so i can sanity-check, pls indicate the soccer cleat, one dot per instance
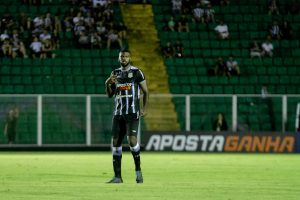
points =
(116, 180)
(139, 177)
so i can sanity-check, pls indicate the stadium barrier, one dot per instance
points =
(85, 120)
(297, 146)
(221, 142)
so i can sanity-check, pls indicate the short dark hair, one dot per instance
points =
(125, 50)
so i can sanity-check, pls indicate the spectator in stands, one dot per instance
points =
(18, 47)
(178, 48)
(286, 31)
(232, 67)
(71, 12)
(67, 24)
(55, 39)
(274, 30)
(47, 49)
(83, 8)
(45, 35)
(198, 13)
(78, 19)
(222, 30)
(6, 48)
(168, 50)
(171, 24)
(83, 40)
(10, 127)
(187, 6)
(183, 24)
(36, 48)
(48, 22)
(5, 22)
(204, 2)
(255, 50)
(79, 28)
(101, 4)
(209, 14)
(4, 35)
(38, 22)
(113, 40)
(32, 2)
(96, 40)
(267, 47)
(29, 24)
(292, 7)
(224, 2)
(220, 123)
(89, 21)
(101, 29)
(57, 24)
(8, 22)
(176, 7)
(264, 92)
(265, 97)
(108, 17)
(220, 67)
(22, 21)
(122, 31)
(273, 7)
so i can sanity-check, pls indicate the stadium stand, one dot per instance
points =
(76, 70)
(247, 21)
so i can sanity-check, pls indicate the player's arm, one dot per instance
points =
(145, 90)
(110, 84)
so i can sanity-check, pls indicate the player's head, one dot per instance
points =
(124, 57)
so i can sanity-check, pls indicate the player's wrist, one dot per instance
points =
(108, 82)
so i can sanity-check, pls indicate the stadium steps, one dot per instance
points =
(144, 45)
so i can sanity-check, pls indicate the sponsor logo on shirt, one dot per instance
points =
(124, 86)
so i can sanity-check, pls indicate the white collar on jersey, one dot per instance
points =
(129, 68)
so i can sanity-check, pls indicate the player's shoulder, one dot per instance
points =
(134, 68)
(117, 70)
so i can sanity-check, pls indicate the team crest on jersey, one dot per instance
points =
(130, 75)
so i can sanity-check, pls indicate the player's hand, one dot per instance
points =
(112, 79)
(143, 113)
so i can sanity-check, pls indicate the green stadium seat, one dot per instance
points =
(3, 9)
(207, 90)
(292, 71)
(196, 89)
(19, 89)
(16, 80)
(218, 90)
(37, 80)
(5, 70)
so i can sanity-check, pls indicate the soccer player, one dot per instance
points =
(125, 84)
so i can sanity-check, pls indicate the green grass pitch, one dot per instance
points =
(174, 176)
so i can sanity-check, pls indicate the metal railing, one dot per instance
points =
(86, 119)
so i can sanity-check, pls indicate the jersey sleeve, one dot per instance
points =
(140, 76)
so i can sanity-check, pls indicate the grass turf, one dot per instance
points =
(174, 176)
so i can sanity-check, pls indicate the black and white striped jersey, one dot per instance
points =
(127, 90)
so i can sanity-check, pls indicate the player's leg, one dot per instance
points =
(132, 130)
(118, 133)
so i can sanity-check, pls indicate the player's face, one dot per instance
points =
(124, 58)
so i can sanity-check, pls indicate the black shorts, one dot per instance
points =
(125, 125)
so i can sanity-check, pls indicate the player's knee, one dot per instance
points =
(115, 142)
(132, 142)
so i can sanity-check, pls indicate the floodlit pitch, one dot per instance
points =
(174, 176)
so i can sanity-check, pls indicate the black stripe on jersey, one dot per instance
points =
(127, 93)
